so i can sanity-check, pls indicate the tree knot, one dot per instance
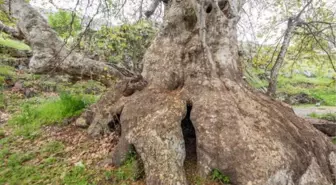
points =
(133, 84)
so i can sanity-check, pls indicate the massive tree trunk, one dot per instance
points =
(192, 66)
(191, 104)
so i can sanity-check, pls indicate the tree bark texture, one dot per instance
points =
(245, 135)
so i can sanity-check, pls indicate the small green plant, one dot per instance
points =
(216, 175)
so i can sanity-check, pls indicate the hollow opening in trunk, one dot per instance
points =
(189, 135)
(114, 124)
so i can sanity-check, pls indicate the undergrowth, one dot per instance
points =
(40, 165)
(32, 116)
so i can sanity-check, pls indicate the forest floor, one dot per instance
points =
(40, 145)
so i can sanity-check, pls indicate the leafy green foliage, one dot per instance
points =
(216, 175)
(32, 117)
(127, 42)
(65, 23)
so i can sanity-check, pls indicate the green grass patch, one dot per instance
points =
(14, 44)
(25, 163)
(301, 79)
(322, 89)
(327, 116)
(31, 117)
(6, 70)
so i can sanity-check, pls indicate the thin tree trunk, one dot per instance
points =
(291, 24)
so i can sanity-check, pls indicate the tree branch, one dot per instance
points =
(321, 46)
(49, 52)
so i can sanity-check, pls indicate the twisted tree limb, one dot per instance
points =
(50, 54)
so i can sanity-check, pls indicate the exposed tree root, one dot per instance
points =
(104, 116)
(252, 139)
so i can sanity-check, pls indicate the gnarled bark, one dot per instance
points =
(247, 136)
(50, 55)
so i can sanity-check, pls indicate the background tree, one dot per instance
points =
(65, 23)
(272, 51)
